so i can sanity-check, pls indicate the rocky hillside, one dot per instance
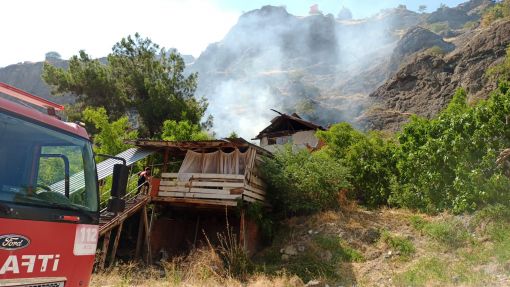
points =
(371, 72)
(426, 82)
(27, 76)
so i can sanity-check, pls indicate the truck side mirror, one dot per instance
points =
(120, 179)
(116, 203)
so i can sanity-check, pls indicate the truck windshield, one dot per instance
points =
(41, 166)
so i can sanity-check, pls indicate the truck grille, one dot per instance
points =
(33, 282)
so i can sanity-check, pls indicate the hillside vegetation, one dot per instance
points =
(452, 227)
(352, 247)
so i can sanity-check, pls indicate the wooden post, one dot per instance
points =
(196, 231)
(116, 243)
(147, 235)
(139, 240)
(106, 243)
(242, 231)
(165, 160)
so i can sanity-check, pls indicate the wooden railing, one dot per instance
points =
(225, 187)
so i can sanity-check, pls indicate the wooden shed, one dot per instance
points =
(196, 182)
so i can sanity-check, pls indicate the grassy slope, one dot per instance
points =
(386, 247)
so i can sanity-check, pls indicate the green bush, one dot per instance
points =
(498, 11)
(369, 157)
(448, 163)
(303, 182)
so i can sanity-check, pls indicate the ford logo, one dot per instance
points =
(13, 242)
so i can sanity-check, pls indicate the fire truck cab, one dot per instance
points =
(49, 200)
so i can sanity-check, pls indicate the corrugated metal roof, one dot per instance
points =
(104, 169)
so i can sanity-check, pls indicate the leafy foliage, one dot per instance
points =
(111, 135)
(302, 182)
(498, 11)
(182, 131)
(369, 158)
(449, 162)
(136, 75)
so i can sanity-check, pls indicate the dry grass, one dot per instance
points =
(412, 250)
(202, 267)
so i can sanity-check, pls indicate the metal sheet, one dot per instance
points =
(104, 169)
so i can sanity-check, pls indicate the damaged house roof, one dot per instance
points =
(287, 124)
(180, 147)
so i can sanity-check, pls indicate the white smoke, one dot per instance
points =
(318, 66)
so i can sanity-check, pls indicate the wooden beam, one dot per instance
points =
(165, 160)
(242, 230)
(116, 243)
(254, 189)
(254, 195)
(196, 231)
(139, 240)
(204, 175)
(195, 201)
(194, 194)
(193, 190)
(106, 243)
(195, 183)
(147, 235)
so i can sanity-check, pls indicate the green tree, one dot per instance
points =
(136, 75)
(448, 163)
(182, 131)
(90, 80)
(369, 157)
(111, 135)
(499, 11)
(422, 8)
(52, 56)
(233, 135)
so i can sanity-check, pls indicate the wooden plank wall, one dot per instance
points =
(254, 186)
(223, 187)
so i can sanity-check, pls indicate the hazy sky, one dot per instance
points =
(30, 28)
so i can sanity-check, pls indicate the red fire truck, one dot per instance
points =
(49, 201)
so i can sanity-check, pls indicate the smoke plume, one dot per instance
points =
(318, 66)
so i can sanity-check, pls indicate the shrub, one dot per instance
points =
(449, 162)
(369, 158)
(399, 243)
(303, 182)
(498, 11)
